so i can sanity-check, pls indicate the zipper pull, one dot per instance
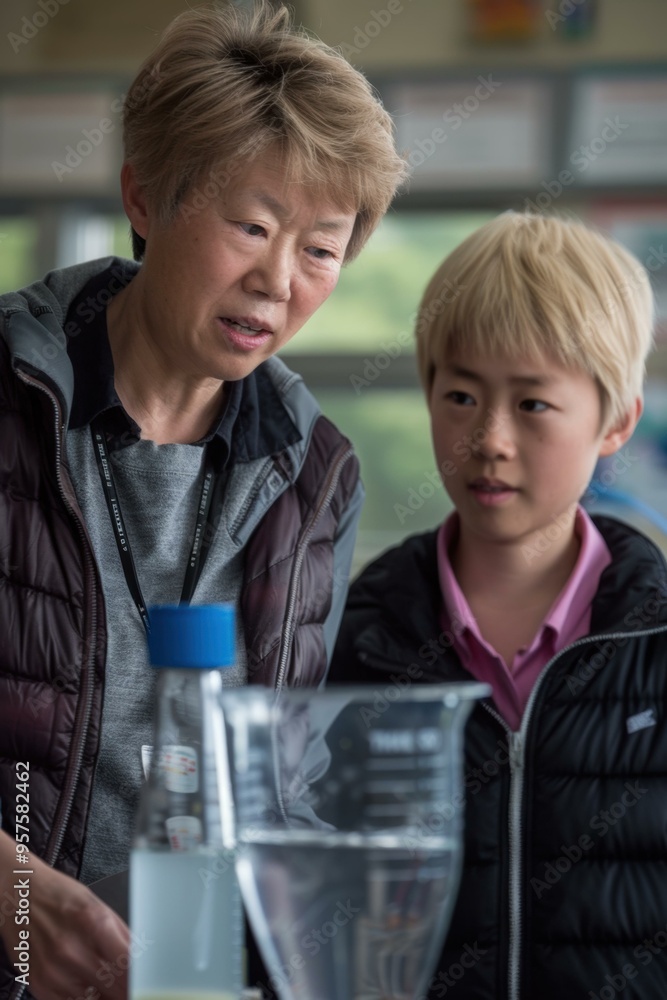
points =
(516, 751)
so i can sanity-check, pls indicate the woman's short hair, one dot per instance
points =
(225, 84)
(528, 286)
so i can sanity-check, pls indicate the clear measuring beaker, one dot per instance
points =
(349, 817)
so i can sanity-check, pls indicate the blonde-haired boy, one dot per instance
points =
(532, 372)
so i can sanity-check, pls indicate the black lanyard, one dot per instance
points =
(204, 531)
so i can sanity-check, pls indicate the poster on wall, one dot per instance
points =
(618, 130)
(574, 20)
(486, 132)
(504, 20)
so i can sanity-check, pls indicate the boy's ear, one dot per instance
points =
(134, 201)
(622, 430)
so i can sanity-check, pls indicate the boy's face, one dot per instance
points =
(516, 444)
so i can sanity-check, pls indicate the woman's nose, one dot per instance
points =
(271, 274)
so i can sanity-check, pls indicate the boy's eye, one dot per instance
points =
(534, 405)
(460, 398)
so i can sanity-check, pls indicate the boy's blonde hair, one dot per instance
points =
(226, 84)
(528, 285)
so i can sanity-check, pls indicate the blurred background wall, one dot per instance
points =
(92, 36)
(556, 105)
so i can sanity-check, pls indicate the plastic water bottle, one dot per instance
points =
(185, 906)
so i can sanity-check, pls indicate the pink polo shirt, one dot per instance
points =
(568, 619)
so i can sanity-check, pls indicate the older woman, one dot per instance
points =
(153, 450)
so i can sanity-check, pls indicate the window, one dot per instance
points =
(18, 243)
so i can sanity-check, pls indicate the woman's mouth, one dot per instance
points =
(244, 334)
(245, 328)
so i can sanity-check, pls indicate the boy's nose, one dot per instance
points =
(495, 439)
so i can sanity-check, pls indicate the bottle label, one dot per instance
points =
(146, 757)
(179, 766)
(184, 832)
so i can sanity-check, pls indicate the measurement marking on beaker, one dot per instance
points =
(389, 764)
(386, 809)
(423, 784)
(394, 874)
(390, 786)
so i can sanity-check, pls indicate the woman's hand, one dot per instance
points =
(78, 947)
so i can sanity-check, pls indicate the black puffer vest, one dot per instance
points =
(564, 888)
(52, 613)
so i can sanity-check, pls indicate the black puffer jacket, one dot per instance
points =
(564, 890)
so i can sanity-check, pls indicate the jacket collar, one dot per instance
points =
(35, 329)
(398, 598)
(398, 601)
(34, 320)
(632, 595)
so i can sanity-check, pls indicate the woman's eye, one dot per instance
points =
(252, 229)
(320, 253)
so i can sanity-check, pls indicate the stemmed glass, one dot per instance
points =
(348, 821)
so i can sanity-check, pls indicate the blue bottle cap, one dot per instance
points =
(191, 635)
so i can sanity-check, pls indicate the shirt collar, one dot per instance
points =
(576, 597)
(570, 607)
(461, 618)
(243, 427)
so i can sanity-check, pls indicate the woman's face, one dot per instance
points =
(225, 286)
